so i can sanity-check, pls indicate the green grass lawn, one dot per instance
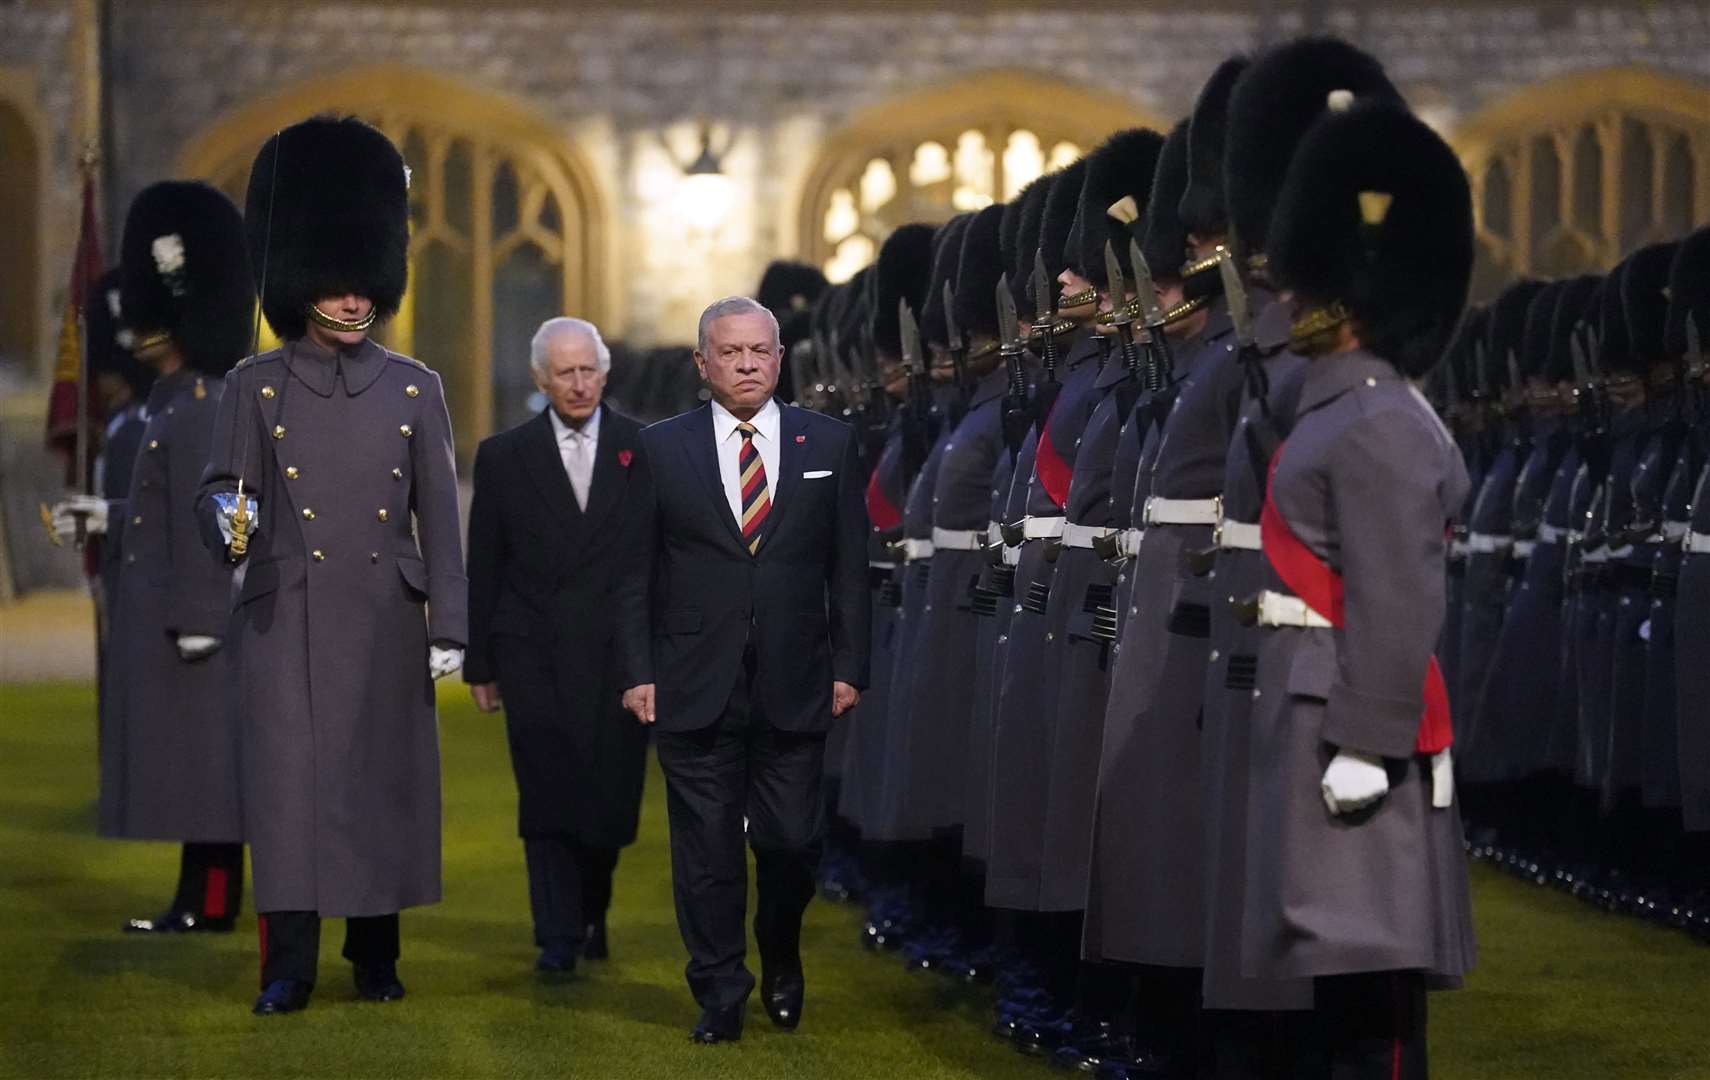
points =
(1562, 992)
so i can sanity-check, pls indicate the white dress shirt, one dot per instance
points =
(576, 449)
(728, 441)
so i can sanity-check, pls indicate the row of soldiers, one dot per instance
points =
(1156, 740)
(1575, 584)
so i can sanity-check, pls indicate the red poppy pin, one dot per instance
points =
(624, 457)
(801, 438)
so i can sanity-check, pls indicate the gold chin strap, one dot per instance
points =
(981, 351)
(340, 325)
(1314, 331)
(1184, 309)
(1088, 295)
(152, 341)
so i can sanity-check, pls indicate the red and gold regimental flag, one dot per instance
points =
(62, 399)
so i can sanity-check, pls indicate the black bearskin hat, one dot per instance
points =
(788, 286)
(1057, 220)
(1644, 298)
(1533, 352)
(1689, 293)
(1376, 213)
(183, 273)
(1017, 251)
(1609, 316)
(940, 267)
(1203, 210)
(1163, 240)
(1506, 331)
(979, 268)
(855, 319)
(328, 212)
(1574, 300)
(1459, 358)
(1273, 105)
(901, 272)
(1117, 187)
(109, 340)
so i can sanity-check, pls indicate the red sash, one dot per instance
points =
(1312, 579)
(882, 513)
(1048, 465)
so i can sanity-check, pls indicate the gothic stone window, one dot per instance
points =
(502, 230)
(1571, 175)
(943, 151)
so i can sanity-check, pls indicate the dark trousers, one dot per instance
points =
(210, 880)
(569, 887)
(1373, 1025)
(291, 943)
(742, 769)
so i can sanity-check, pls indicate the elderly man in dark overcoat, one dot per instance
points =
(332, 479)
(168, 747)
(553, 519)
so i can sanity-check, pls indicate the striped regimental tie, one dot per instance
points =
(756, 499)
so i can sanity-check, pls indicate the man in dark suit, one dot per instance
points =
(554, 513)
(744, 634)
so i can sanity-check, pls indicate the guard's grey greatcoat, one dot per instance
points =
(1027, 685)
(1692, 645)
(1484, 602)
(1518, 708)
(1225, 716)
(1366, 481)
(941, 669)
(996, 595)
(1565, 752)
(169, 736)
(864, 752)
(1660, 740)
(1147, 827)
(896, 819)
(1084, 582)
(350, 458)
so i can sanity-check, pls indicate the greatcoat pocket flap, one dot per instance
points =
(414, 572)
(1313, 669)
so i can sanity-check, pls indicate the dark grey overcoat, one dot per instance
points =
(350, 457)
(169, 732)
(1367, 480)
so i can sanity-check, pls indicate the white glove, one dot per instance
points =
(443, 661)
(1353, 781)
(225, 504)
(196, 646)
(92, 508)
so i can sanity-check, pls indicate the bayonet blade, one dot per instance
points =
(910, 334)
(1145, 290)
(1008, 322)
(1044, 297)
(1117, 286)
(1581, 365)
(1513, 370)
(1235, 295)
(1481, 368)
(1694, 345)
(952, 332)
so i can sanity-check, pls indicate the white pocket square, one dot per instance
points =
(816, 474)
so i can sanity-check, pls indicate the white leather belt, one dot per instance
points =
(1523, 548)
(1042, 528)
(1595, 555)
(1128, 542)
(1012, 554)
(1551, 534)
(1675, 532)
(1697, 543)
(958, 539)
(1238, 535)
(1625, 551)
(1183, 511)
(1488, 543)
(877, 565)
(1457, 549)
(913, 550)
(1280, 609)
(1082, 536)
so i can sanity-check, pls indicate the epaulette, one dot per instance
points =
(410, 360)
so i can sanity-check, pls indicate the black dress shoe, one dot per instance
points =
(378, 982)
(596, 948)
(782, 997)
(283, 996)
(557, 960)
(720, 1025)
(179, 922)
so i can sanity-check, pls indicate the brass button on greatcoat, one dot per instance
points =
(154, 444)
(308, 514)
(291, 472)
(382, 513)
(279, 431)
(137, 520)
(267, 391)
(373, 556)
(405, 430)
(318, 555)
(397, 474)
(411, 390)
